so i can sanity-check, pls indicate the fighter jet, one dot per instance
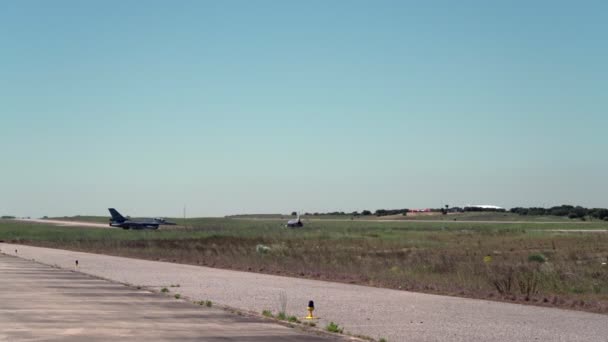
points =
(295, 223)
(120, 221)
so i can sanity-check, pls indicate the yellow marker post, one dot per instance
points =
(311, 308)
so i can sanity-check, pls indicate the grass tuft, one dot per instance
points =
(333, 327)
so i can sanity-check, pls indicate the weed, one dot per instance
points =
(261, 249)
(382, 340)
(282, 302)
(293, 319)
(208, 303)
(502, 277)
(164, 290)
(177, 296)
(176, 285)
(282, 316)
(333, 327)
(267, 313)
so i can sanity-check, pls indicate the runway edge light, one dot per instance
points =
(311, 308)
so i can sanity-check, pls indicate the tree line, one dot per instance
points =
(570, 211)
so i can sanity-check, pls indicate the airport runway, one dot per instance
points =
(41, 303)
(375, 312)
(306, 219)
(68, 223)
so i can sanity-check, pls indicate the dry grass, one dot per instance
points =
(512, 264)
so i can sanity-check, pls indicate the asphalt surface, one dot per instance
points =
(395, 315)
(41, 303)
(307, 219)
(69, 223)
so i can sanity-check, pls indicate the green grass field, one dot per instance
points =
(468, 216)
(522, 262)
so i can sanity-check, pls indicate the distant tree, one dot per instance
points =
(366, 213)
(601, 214)
(387, 212)
(293, 213)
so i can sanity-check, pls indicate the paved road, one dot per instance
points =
(68, 223)
(576, 230)
(38, 303)
(396, 315)
(306, 219)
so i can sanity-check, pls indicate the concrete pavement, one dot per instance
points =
(41, 303)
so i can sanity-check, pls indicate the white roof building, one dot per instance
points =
(484, 206)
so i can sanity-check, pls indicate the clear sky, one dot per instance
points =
(273, 106)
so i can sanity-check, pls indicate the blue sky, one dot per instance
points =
(272, 106)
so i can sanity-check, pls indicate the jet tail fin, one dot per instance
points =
(116, 215)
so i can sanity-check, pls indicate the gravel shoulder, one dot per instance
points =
(375, 312)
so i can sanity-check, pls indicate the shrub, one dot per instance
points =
(537, 257)
(282, 316)
(208, 303)
(164, 290)
(177, 296)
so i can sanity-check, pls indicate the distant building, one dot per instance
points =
(483, 207)
(427, 210)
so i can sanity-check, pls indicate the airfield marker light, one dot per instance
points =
(311, 308)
